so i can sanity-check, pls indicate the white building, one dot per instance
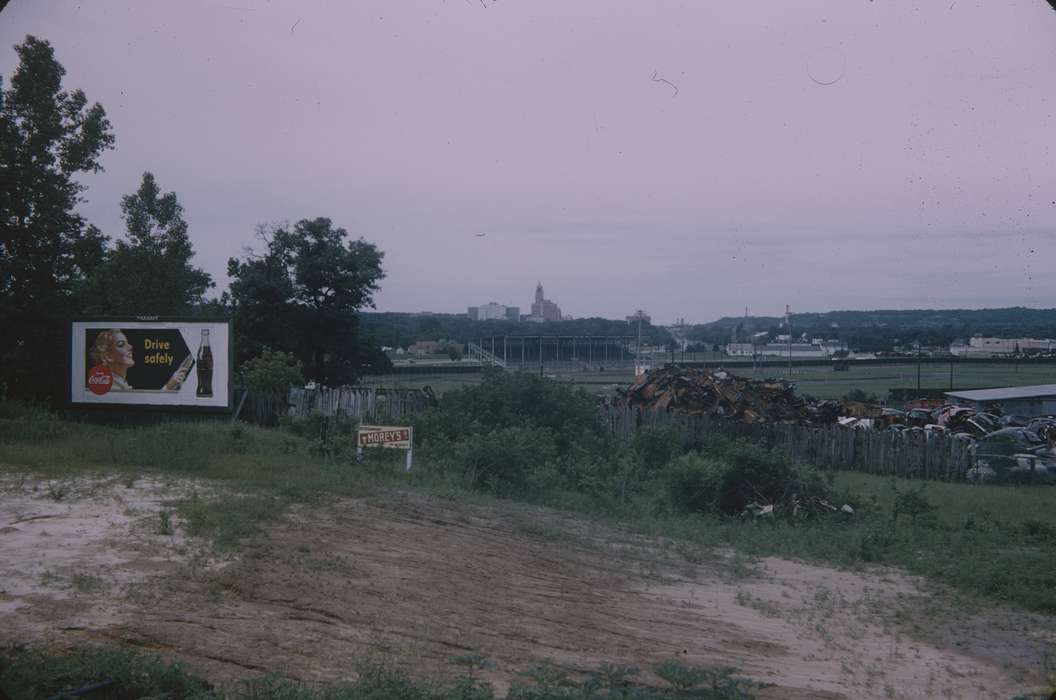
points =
(980, 346)
(494, 312)
(816, 349)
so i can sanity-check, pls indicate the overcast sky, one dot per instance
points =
(687, 158)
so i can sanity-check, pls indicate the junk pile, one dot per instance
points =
(723, 395)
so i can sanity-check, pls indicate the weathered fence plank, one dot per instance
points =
(354, 404)
(907, 453)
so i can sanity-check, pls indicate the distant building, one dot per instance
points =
(425, 347)
(494, 312)
(543, 309)
(1029, 401)
(816, 349)
(979, 346)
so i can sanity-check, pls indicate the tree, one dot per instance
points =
(151, 272)
(47, 136)
(302, 295)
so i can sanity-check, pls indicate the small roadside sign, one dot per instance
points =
(386, 436)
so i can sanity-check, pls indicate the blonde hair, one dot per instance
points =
(104, 345)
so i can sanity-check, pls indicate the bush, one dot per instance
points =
(725, 477)
(515, 434)
(655, 448)
(503, 461)
(273, 371)
(521, 400)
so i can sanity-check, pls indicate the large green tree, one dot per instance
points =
(47, 137)
(151, 272)
(303, 295)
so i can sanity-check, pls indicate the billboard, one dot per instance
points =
(142, 362)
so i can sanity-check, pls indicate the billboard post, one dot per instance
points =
(152, 363)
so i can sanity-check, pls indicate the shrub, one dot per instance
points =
(272, 371)
(503, 461)
(725, 478)
(522, 400)
(654, 448)
(860, 396)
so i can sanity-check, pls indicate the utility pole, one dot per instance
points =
(638, 349)
(540, 354)
(918, 366)
(788, 327)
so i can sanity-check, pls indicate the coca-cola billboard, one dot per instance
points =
(151, 362)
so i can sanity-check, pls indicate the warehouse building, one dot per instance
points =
(1029, 401)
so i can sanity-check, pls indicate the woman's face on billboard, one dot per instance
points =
(121, 352)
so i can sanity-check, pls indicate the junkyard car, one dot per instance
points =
(1015, 454)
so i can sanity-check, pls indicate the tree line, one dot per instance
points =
(881, 330)
(299, 293)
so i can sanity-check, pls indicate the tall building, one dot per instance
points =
(542, 308)
(494, 312)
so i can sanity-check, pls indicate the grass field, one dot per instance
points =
(820, 382)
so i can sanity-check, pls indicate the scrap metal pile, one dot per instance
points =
(723, 395)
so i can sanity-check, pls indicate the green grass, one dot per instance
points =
(1011, 505)
(820, 382)
(29, 674)
(824, 383)
(991, 542)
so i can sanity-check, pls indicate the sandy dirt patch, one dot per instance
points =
(416, 581)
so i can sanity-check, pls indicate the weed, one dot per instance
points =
(763, 606)
(536, 528)
(229, 519)
(165, 526)
(911, 502)
(86, 583)
(717, 679)
(58, 490)
(738, 566)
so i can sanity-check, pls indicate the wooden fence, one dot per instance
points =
(354, 404)
(917, 453)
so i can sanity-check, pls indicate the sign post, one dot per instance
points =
(386, 436)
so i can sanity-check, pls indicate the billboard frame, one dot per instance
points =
(148, 408)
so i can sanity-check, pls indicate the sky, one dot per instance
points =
(690, 159)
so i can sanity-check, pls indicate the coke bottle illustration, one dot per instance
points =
(205, 366)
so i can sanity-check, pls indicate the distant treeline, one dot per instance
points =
(399, 330)
(880, 330)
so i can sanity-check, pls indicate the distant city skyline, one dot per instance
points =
(682, 158)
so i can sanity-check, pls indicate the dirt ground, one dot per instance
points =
(413, 580)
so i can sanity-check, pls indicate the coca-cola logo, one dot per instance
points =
(100, 379)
